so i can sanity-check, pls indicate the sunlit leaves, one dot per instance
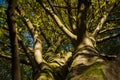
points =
(55, 42)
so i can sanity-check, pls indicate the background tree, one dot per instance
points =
(65, 39)
(13, 40)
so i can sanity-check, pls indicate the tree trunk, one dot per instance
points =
(87, 64)
(13, 40)
(84, 56)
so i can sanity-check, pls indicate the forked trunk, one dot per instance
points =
(84, 56)
(88, 64)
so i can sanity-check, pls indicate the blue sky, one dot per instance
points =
(2, 1)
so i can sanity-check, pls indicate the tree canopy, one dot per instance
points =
(53, 39)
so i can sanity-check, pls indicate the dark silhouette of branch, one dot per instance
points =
(25, 49)
(10, 58)
(64, 7)
(113, 20)
(69, 10)
(13, 39)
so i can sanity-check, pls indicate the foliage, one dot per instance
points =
(56, 43)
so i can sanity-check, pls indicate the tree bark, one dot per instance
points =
(84, 56)
(13, 40)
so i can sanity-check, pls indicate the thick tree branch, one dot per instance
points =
(108, 37)
(37, 41)
(57, 20)
(104, 18)
(80, 25)
(34, 33)
(37, 48)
